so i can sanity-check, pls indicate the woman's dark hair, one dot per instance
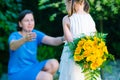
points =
(21, 16)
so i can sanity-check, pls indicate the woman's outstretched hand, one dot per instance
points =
(30, 36)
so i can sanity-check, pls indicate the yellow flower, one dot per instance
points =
(81, 42)
(105, 49)
(90, 51)
(78, 57)
(91, 58)
(94, 65)
(88, 45)
(77, 50)
(96, 39)
(86, 53)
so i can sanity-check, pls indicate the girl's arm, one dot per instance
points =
(66, 29)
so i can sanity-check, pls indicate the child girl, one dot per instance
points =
(77, 21)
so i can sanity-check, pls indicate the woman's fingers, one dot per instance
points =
(30, 36)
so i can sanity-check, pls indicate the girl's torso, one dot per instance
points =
(81, 23)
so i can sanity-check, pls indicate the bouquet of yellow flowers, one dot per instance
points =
(90, 52)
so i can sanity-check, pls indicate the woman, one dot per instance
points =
(23, 64)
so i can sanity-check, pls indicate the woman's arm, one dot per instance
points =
(66, 29)
(59, 40)
(54, 41)
(14, 44)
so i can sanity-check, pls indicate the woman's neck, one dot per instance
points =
(24, 32)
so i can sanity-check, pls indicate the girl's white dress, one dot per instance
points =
(79, 23)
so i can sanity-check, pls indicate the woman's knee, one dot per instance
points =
(54, 63)
(52, 66)
(44, 76)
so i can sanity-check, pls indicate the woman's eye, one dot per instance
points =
(26, 20)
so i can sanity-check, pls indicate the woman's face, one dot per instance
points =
(27, 23)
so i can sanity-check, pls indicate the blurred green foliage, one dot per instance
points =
(8, 15)
(48, 52)
(0, 69)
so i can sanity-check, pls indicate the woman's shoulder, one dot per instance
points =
(14, 33)
(38, 32)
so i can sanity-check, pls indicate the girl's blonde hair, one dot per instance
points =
(86, 5)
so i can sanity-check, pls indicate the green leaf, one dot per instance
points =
(52, 17)
(41, 2)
